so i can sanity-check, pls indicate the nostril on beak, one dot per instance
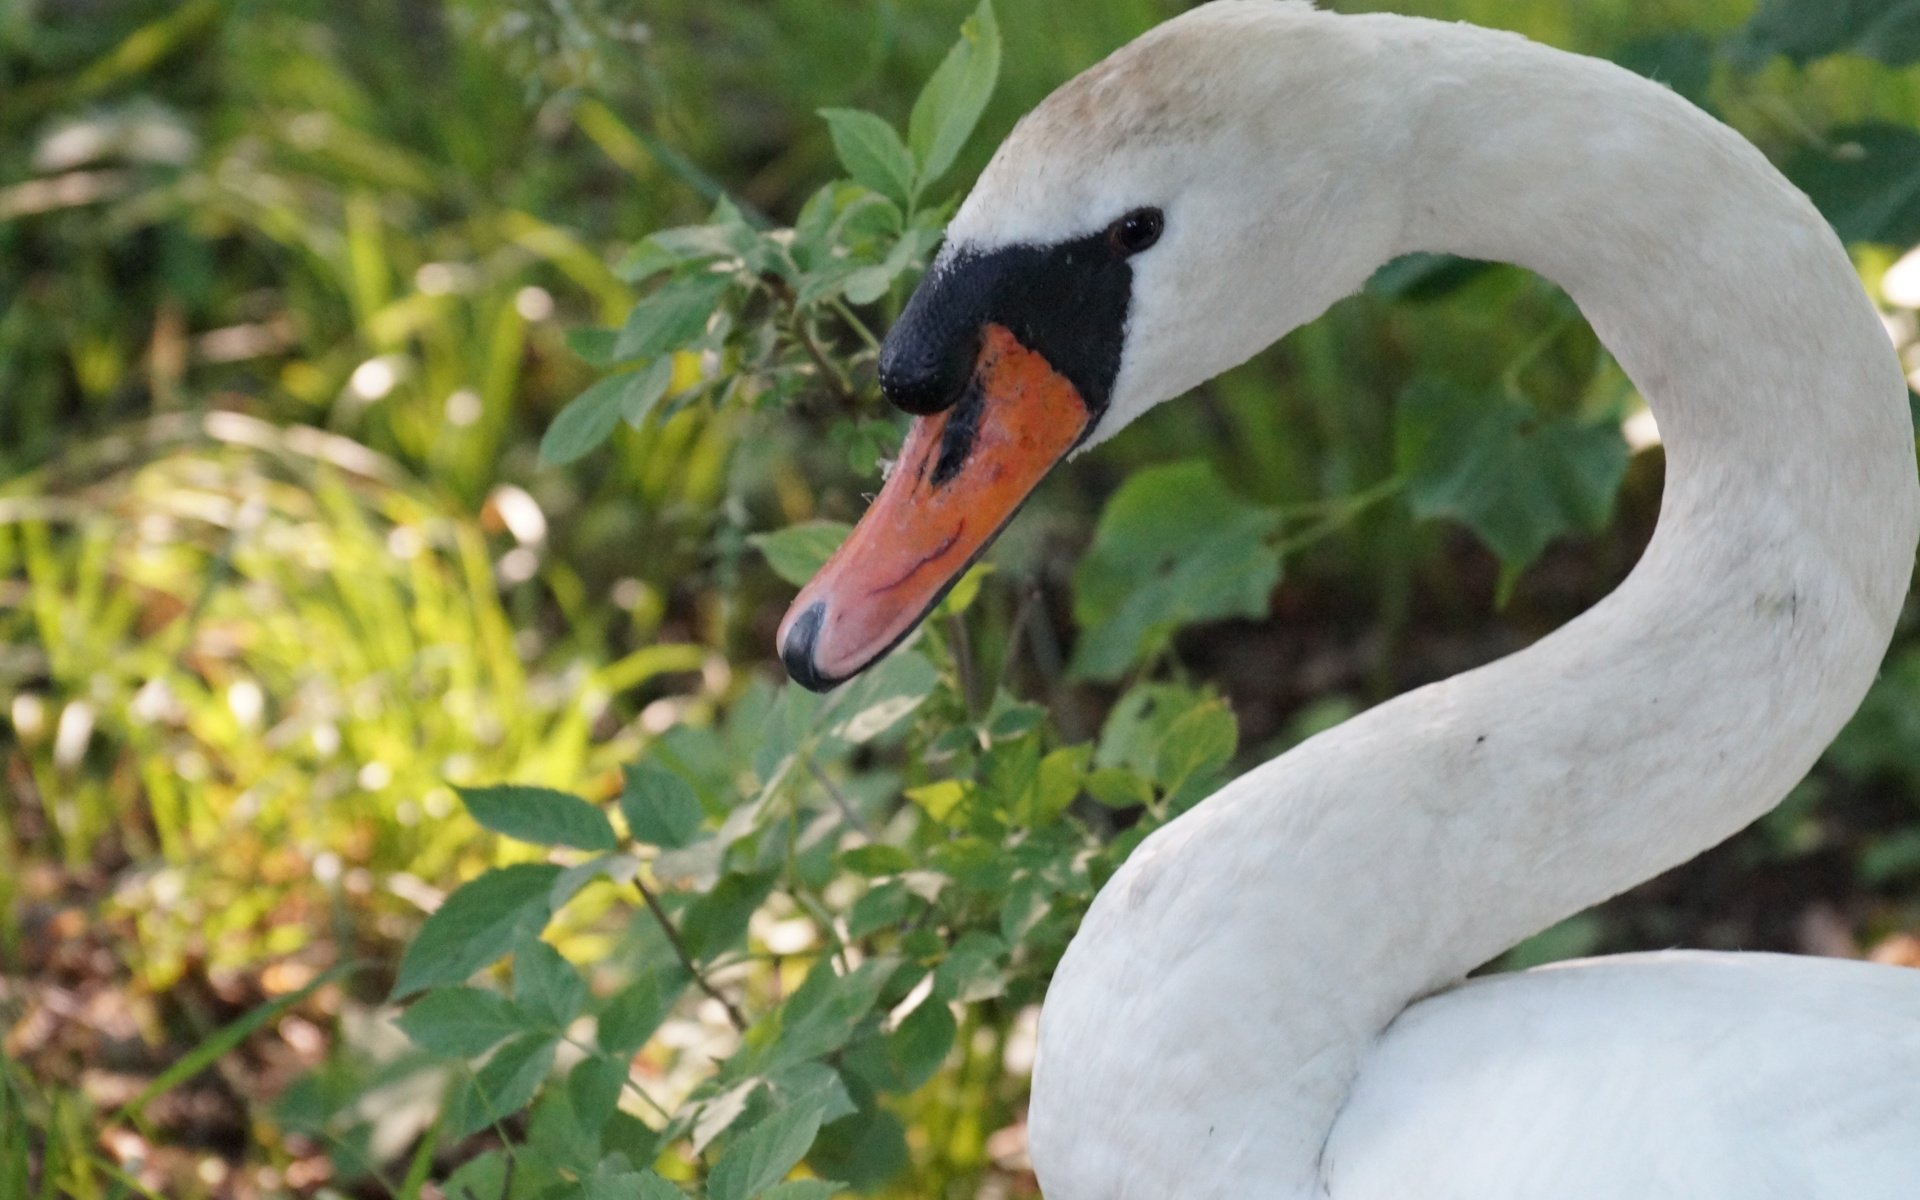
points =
(925, 370)
(796, 649)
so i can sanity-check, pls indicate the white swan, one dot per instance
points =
(1266, 1000)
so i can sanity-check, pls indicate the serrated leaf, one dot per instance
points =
(1174, 546)
(660, 807)
(871, 151)
(763, 1155)
(798, 551)
(478, 923)
(1516, 477)
(589, 418)
(540, 815)
(630, 1185)
(634, 1012)
(673, 316)
(546, 985)
(949, 106)
(821, 1016)
(461, 1021)
(503, 1086)
(1866, 181)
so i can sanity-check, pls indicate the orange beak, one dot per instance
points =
(959, 477)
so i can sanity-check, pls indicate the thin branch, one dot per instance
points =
(856, 324)
(686, 959)
(838, 797)
(962, 647)
(627, 1078)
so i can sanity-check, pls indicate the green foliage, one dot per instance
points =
(1518, 478)
(283, 385)
(1804, 30)
(1173, 547)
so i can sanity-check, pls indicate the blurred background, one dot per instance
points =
(290, 294)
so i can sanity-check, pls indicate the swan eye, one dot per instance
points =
(1136, 231)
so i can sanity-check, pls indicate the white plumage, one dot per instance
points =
(1266, 1000)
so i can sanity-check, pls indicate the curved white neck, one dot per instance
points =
(1265, 939)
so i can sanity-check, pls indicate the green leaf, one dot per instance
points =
(883, 698)
(593, 1087)
(673, 316)
(1173, 547)
(973, 969)
(630, 1185)
(1202, 740)
(508, 1080)
(798, 551)
(1118, 787)
(1803, 30)
(589, 418)
(875, 860)
(461, 1021)
(955, 95)
(717, 921)
(478, 923)
(634, 1012)
(593, 346)
(887, 904)
(1058, 782)
(820, 1017)
(541, 816)
(939, 799)
(661, 807)
(1866, 181)
(921, 1043)
(482, 1178)
(1516, 477)
(546, 985)
(1683, 61)
(763, 1155)
(871, 151)
(802, 1189)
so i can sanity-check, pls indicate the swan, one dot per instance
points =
(1267, 1000)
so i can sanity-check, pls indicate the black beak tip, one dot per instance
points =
(797, 650)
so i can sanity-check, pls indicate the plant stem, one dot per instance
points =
(1342, 514)
(858, 326)
(686, 959)
(962, 647)
(633, 1087)
(838, 797)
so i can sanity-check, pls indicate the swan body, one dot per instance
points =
(1266, 1000)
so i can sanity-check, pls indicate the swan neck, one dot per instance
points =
(1302, 908)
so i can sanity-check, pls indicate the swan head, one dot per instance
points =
(1158, 219)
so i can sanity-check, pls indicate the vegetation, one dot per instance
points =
(412, 419)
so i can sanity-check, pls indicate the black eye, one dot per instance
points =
(1136, 231)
